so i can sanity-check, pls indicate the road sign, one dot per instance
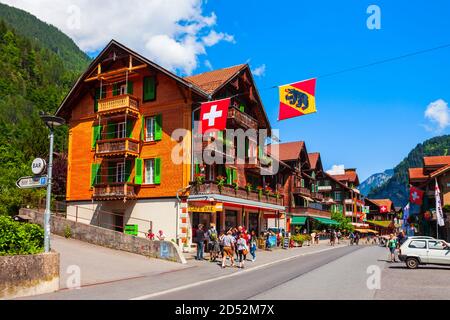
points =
(32, 182)
(38, 166)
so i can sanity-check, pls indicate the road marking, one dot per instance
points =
(191, 285)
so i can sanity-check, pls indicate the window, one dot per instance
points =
(123, 89)
(120, 130)
(149, 171)
(337, 196)
(437, 245)
(149, 90)
(150, 129)
(120, 172)
(418, 244)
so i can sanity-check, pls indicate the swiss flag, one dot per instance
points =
(383, 209)
(213, 115)
(415, 196)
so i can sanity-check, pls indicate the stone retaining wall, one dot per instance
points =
(26, 275)
(109, 238)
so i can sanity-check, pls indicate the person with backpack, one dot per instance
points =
(242, 249)
(213, 243)
(392, 245)
(253, 244)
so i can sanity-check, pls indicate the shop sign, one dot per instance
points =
(202, 209)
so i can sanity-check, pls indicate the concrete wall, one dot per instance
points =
(161, 214)
(166, 250)
(26, 275)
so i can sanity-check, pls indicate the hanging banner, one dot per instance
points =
(297, 99)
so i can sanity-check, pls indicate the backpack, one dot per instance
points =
(213, 235)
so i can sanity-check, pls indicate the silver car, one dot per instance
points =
(417, 251)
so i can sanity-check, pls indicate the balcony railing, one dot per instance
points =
(317, 195)
(324, 188)
(310, 212)
(227, 190)
(118, 103)
(114, 191)
(122, 146)
(302, 191)
(242, 119)
(348, 201)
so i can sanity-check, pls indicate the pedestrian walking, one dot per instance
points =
(242, 248)
(228, 248)
(339, 236)
(357, 237)
(253, 245)
(213, 243)
(392, 245)
(200, 240)
(352, 238)
(221, 236)
(332, 237)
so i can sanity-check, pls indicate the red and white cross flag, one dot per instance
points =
(213, 115)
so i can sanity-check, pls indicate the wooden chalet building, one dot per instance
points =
(382, 215)
(121, 115)
(434, 168)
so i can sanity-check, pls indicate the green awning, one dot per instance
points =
(326, 221)
(298, 220)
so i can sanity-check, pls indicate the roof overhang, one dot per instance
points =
(244, 202)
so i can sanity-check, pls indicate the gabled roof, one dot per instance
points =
(384, 202)
(436, 160)
(289, 151)
(416, 173)
(212, 81)
(350, 176)
(73, 93)
(313, 159)
(440, 171)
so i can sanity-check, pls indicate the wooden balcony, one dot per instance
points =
(242, 119)
(302, 191)
(310, 212)
(317, 196)
(117, 148)
(114, 191)
(124, 103)
(212, 188)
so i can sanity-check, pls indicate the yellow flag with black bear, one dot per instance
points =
(297, 99)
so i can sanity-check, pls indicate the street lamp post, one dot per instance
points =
(52, 122)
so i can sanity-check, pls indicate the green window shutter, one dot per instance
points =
(235, 175)
(260, 152)
(303, 183)
(130, 87)
(95, 168)
(229, 175)
(149, 88)
(138, 166)
(197, 168)
(96, 97)
(312, 187)
(111, 172)
(129, 128)
(128, 170)
(158, 127)
(115, 89)
(142, 128)
(220, 136)
(157, 170)
(242, 108)
(96, 133)
(247, 146)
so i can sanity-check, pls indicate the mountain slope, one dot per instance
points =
(32, 78)
(375, 181)
(396, 188)
(47, 36)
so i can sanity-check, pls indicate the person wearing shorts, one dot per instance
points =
(228, 248)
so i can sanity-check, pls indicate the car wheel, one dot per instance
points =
(412, 263)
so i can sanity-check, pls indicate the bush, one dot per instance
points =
(67, 232)
(20, 239)
(300, 238)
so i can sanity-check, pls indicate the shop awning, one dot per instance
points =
(383, 224)
(298, 220)
(330, 222)
(244, 202)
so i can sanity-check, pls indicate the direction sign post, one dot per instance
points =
(32, 182)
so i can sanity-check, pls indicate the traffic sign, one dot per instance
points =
(32, 182)
(38, 166)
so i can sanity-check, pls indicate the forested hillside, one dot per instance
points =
(396, 188)
(46, 36)
(33, 77)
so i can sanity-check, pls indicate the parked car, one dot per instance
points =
(424, 250)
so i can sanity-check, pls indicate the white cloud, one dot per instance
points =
(438, 113)
(173, 33)
(337, 169)
(260, 71)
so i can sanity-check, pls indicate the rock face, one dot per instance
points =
(375, 181)
(28, 275)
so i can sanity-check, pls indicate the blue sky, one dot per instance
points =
(370, 118)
